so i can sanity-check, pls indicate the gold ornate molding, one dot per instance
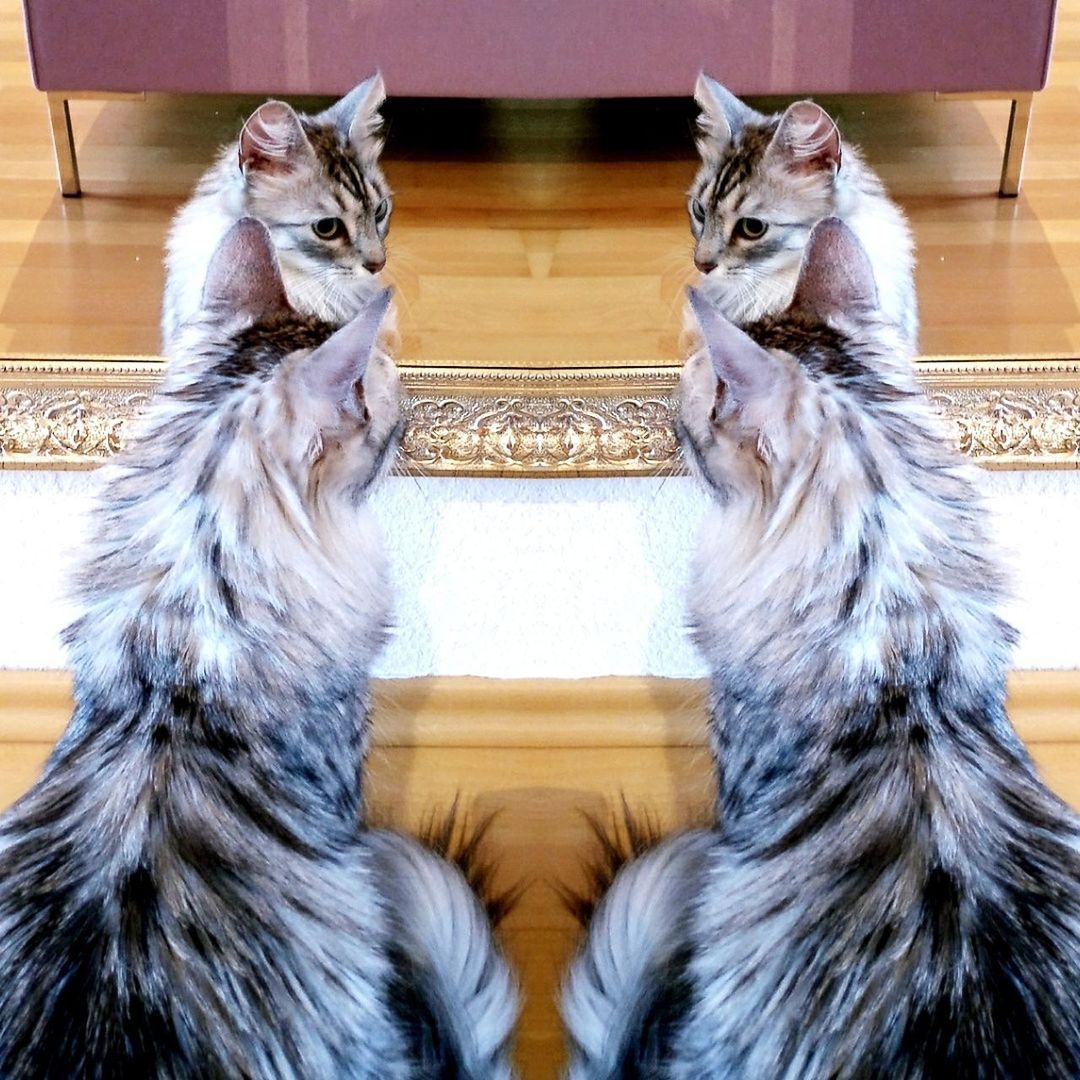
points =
(539, 423)
(62, 414)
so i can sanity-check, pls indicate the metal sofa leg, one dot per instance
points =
(67, 167)
(1012, 167)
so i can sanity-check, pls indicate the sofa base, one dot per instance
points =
(1012, 167)
(63, 138)
(1016, 138)
(67, 165)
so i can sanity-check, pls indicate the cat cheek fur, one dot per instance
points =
(697, 391)
(358, 446)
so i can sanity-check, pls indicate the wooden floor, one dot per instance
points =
(539, 235)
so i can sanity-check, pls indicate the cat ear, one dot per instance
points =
(722, 113)
(807, 139)
(272, 140)
(340, 362)
(746, 369)
(244, 276)
(356, 115)
(836, 275)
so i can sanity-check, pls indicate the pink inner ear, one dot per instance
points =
(243, 275)
(808, 138)
(356, 115)
(272, 139)
(836, 275)
(746, 369)
(723, 114)
(336, 366)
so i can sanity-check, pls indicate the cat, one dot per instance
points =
(315, 182)
(188, 889)
(889, 889)
(763, 183)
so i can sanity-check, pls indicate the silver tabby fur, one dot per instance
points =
(291, 172)
(188, 890)
(890, 890)
(787, 171)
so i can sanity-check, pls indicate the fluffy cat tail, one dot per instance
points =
(455, 838)
(455, 993)
(624, 988)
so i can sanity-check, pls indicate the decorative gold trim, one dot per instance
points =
(1021, 413)
(556, 422)
(615, 711)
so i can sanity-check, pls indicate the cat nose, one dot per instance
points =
(705, 265)
(373, 266)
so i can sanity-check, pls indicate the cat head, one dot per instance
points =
(762, 407)
(316, 182)
(277, 394)
(764, 182)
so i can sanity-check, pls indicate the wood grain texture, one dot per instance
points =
(549, 234)
(540, 714)
(539, 754)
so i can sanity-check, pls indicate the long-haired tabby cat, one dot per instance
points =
(187, 891)
(889, 890)
(764, 182)
(315, 182)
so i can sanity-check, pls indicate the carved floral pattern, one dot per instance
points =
(556, 434)
(1039, 424)
(539, 423)
(69, 423)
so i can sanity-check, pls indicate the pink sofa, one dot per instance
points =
(541, 48)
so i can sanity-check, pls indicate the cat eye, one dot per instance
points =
(330, 228)
(750, 228)
(697, 211)
(382, 211)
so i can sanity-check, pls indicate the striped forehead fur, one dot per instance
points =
(727, 166)
(258, 350)
(356, 169)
